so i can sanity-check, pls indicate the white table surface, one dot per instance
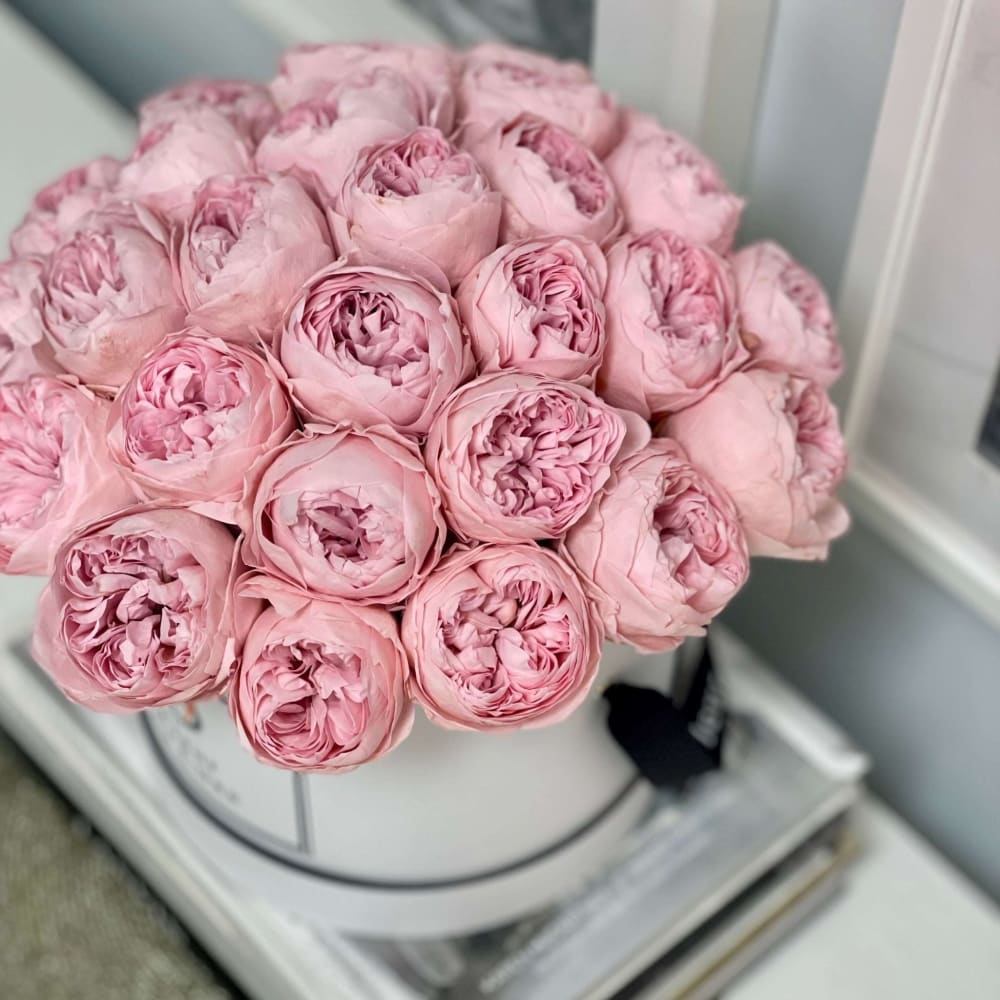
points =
(907, 925)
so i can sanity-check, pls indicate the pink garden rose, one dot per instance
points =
(773, 443)
(785, 316)
(671, 319)
(422, 194)
(107, 294)
(245, 105)
(346, 513)
(501, 636)
(499, 81)
(246, 249)
(175, 156)
(662, 549)
(140, 611)
(417, 79)
(61, 204)
(535, 306)
(318, 142)
(194, 419)
(321, 687)
(374, 346)
(550, 181)
(55, 470)
(20, 324)
(666, 182)
(518, 457)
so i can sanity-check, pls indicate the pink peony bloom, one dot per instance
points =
(107, 294)
(550, 181)
(499, 81)
(193, 421)
(55, 470)
(140, 611)
(535, 307)
(422, 194)
(672, 334)
(346, 513)
(417, 79)
(665, 182)
(501, 636)
(246, 106)
(20, 323)
(784, 314)
(175, 156)
(373, 346)
(321, 686)
(60, 205)
(773, 443)
(318, 143)
(662, 549)
(246, 249)
(519, 457)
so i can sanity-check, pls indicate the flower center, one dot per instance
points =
(132, 616)
(182, 408)
(218, 224)
(570, 163)
(347, 530)
(507, 643)
(368, 330)
(563, 310)
(32, 427)
(314, 701)
(420, 161)
(537, 457)
(807, 296)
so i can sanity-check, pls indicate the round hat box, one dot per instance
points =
(451, 833)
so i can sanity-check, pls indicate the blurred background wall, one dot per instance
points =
(911, 673)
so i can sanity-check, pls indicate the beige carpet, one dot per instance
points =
(75, 924)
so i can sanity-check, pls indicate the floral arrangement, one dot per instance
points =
(411, 377)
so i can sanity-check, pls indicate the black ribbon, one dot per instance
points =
(671, 739)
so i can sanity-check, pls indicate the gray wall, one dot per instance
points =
(133, 48)
(911, 673)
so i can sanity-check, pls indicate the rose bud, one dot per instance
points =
(422, 194)
(501, 637)
(194, 419)
(499, 81)
(140, 611)
(55, 470)
(321, 687)
(346, 513)
(107, 294)
(535, 307)
(784, 315)
(373, 346)
(418, 78)
(550, 181)
(672, 334)
(665, 182)
(773, 443)
(20, 325)
(318, 144)
(61, 204)
(661, 549)
(246, 249)
(175, 157)
(518, 457)
(245, 105)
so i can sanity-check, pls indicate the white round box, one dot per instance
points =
(450, 833)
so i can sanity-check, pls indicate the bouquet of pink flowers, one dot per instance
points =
(409, 378)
